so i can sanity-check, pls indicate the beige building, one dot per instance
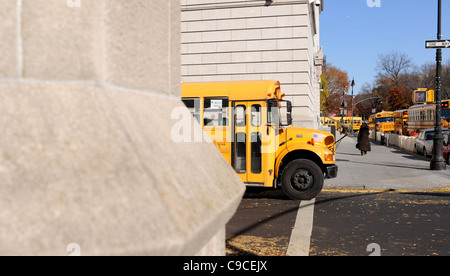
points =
(227, 40)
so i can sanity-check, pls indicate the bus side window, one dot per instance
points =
(256, 115)
(256, 166)
(215, 112)
(193, 104)
(241, 152)
(240, 115)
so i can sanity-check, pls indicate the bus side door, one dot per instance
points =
(252, 153)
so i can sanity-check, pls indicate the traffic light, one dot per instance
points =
(379, 105)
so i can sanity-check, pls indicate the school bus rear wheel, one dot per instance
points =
(302, 179)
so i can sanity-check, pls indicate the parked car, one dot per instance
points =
(424, 141)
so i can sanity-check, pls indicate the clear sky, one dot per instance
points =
(353, 34)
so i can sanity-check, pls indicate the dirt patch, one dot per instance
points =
(256, 246)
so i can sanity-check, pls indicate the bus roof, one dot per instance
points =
(234, 90)
(422, 105)
(383, 114)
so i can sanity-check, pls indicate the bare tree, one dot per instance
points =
(446, 80)
(393, 65)
(427, 75)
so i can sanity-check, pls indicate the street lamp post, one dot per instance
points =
(351, 129)
(437, 161)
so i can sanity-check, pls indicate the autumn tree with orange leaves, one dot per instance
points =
(399, 97)
(396, 79)
(336, 83)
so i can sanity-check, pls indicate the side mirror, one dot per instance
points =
(285, 113)
(289, 112)
(289, 119)
(289, 106)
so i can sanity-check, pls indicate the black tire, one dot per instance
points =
(302, 179)
(424, 152)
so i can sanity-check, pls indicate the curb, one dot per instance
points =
(359, 190)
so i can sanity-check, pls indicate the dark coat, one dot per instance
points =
(363, 138)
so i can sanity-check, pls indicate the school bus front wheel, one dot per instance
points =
(302, 179)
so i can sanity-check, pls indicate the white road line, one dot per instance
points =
(301, 234)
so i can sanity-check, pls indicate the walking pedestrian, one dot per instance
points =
(363, 143)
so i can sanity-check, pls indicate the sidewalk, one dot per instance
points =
(384, 168)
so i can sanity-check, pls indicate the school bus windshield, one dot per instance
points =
(385, 120)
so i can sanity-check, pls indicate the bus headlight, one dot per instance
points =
(329, 157)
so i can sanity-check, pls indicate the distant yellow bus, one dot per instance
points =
(243, 119)
(384, 121)
(328, 121)
(357, 121)
(422, 116)
(347, 121)
(401, 122)
(372, 122)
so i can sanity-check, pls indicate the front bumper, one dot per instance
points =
(331, 171)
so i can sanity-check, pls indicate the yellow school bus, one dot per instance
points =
(372, 122)
(423, 116)
(244, 120)
(338, 121)
(357, 121)
(401, 122)
(328, 121)
(382, 122)
(385, 121)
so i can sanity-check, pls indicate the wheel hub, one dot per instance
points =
(302, 180)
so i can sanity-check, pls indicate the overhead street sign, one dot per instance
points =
(436, 44)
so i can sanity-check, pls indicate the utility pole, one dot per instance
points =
(437, 161)
(353, 84)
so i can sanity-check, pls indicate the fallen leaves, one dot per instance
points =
(260, 246)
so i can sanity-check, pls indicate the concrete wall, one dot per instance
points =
(226, 40)
(88, 162)
(403, 142)
(391, 139)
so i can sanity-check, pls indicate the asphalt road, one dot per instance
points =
(262, 225)
(387, 202)
(387, 223)
(345, 224)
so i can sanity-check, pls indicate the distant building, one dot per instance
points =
(254, 40)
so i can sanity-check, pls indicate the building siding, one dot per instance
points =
(246, 40)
